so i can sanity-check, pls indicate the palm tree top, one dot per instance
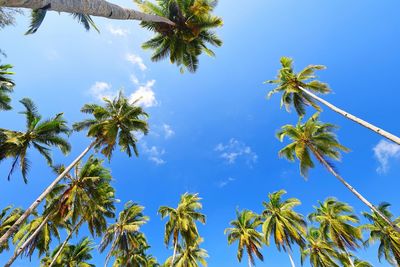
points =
(185, 41)
(289, 83)
(312, 137)
(6, 86)
(116, 122)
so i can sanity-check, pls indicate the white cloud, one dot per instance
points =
(145, 95)
(102, 90)
(235, 149)
(168, 132)
(226, 182)
(134, 79)
(136, 60)
(385, 151)
(117, 31)
(154, 153)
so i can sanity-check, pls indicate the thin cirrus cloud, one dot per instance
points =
(385, 152)
(153, 153)
(168, 131)
(136, 60)
(100, 90)
(226, 182)
(117, 31)
(235, 150)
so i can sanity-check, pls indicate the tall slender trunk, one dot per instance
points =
(14, 228)
(367, 125)
(175, 249)
(99, 8)
(291, 257)
(354, 191)
(111, 250)
(348, 257)
(65, 242)
(26, 243)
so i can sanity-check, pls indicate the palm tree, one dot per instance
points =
(281, 221)
(336, 219)
(116, 122)
(73, 255)
(380, 230)
(182, 221)
(321, 252)
(317, 138)
(244, 231)
(8, 216)
(39, 134)
(184, 41)
(6, 86)
(190, 255)
(300, 89)
(124, 234)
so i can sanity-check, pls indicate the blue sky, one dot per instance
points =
(214, 132)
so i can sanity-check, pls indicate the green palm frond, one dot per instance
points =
(86, 21)
(37, 17)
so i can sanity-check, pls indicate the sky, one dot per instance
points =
(213, 132)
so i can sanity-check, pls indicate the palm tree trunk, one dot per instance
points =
(348, 256)
(26, 243)
(175, 249)
(354, 191)
(290, 257)
(367, 125)
(99, 8)
(112, 249)
(14, 228)
(65, 242)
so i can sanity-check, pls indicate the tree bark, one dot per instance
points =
(290, 257)
(14, 228)
(354, 191)
(26, 243)
(367, 125)
(98, 8)
(175, 249)
(65, 242)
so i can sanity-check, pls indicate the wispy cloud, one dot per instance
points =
(154, 153)
(136, 60)
(100, 90)
(224, 183)
(145, 95)
(385, 151)
(168, 132)
(235, 149)
(117, 31)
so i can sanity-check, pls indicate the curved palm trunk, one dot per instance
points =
(291, 257)
(25, 215)
(99, 8)
(354, 191)
(348, 257)
(65, 242)
(367, 125)
(26, 243)
(175, 249)
(112, 249)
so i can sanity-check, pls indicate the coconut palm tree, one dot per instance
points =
(300, 89)
(317, 138)
(6, 86)
(380, 231)
(116, 122)
(321, 251)
(181, 224)
(39, 134)
(190, 255)
(244, 231)
(336, 221)
(8, 216)
(77, 255)
(184, 41)
(124, 235)
(283, 223)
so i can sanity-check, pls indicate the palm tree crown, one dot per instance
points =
(183, 42)
(313, 137)
(39, 134)
(116, 122)
(281, 221)
(6, 87)
(380, 231)
(244, 231)
(190, 255)
(289, 84)
(336, 219)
